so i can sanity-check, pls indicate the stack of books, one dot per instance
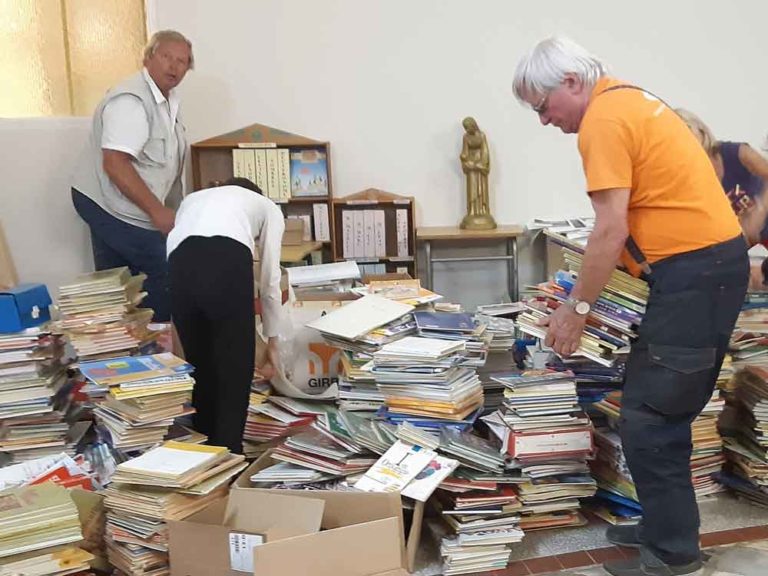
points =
(274, 417)
(707, 457)
(613, 320)
(357, 384)
(422, 377)
(40, 527)
(479, 504)
(169, 482)
(100, 317)
(746, 441)
(34, 396)
(146, 394)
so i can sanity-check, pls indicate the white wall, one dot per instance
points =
(388, 83)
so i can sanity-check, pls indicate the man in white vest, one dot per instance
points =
(128, 181)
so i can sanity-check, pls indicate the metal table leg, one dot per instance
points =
(512, 285)
(428, 271)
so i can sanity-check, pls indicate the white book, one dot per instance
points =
(422, 486)
(167, 461)
(348, 233)
(360, 317)
(379, 234)
(273, 185)
(249, 160)
(358, 233)
(368, 233)
(238, 163)
(322, 227)
(284, 173)
(396, 468)
(401, 219)
(323, 273)
(260, 160)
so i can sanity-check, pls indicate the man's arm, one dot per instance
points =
(119, 168)
(605, 244)
(603, 250)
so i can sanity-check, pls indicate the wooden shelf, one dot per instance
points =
(212, 163)
(388, 203)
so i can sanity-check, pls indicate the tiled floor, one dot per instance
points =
(748, 559)
(724, 520)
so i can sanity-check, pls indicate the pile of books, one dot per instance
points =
(746, 443)
(98, 313)
(34, 396)
(60, 469)
(707, 457)
(550, 438)
(145, 395)
(40, 527)
(271, 418)
(323, 280)
(613, 320)
(423, 377)
(169, 482)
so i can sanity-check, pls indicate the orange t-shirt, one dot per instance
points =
(629, 139)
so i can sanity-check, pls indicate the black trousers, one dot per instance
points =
(671, 372)
(211, 285)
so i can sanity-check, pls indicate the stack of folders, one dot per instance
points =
(169, 482)
(100, 317)
(746, 442)
(612, 322)
(423, 377)
(39, 527)
(146, 394)
(550, 438)
(33, 396)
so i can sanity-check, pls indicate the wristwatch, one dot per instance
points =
(581, 307)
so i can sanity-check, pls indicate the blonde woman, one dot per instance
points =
(743, 172)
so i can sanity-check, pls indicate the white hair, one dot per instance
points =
(544, 68)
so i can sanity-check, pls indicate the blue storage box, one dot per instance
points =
(24, 306)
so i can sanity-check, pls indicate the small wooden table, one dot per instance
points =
(507, 233)
(296, 254)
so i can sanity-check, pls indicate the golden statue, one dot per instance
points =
(476, 164)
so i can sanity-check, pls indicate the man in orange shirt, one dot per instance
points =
(652, 188)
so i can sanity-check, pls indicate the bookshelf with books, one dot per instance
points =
(292, 170)
(376, 229)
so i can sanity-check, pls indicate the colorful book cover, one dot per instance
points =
(131, 368)
(309, 173)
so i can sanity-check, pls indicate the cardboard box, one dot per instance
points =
(362, 534)
(294, 232)
(215, 539)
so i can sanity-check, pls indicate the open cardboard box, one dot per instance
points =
(362, 534)
(218, 539)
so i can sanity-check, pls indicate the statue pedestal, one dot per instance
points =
(478, 222)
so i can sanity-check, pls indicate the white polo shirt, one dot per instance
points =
(125, 127)
(244, 216)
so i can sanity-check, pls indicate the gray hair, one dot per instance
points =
(168, 36)
(544, 68)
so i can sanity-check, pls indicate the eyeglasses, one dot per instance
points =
(541, 107)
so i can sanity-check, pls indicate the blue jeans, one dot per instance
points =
(671, 372)
(116, 243)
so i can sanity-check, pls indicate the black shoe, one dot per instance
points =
(627, 536)
(646, 564)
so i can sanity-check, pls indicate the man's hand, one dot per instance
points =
(164, 219)
(565, 329)
(268, 368)
(752, 223)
